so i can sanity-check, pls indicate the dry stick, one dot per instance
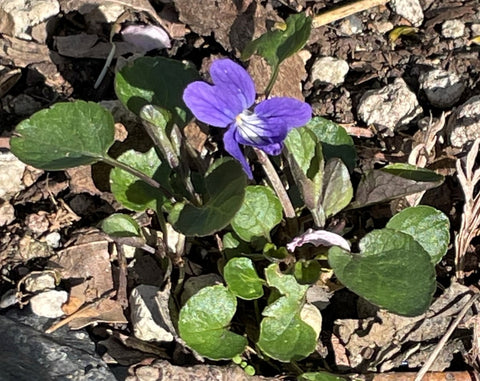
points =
(276, 183)
(345, 11)
(443, 341)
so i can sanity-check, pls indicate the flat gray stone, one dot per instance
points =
(442, 88)
(464, 124)
(409, 9)
(329, 70)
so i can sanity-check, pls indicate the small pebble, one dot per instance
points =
(464, 124)
(49, 303)
(329, 70)
(11, 173)
(409, 9)
(351, 25)
(453, 29)
(53, 240)
(39, 282)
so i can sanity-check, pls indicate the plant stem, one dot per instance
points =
(135, 172)
(276, 183)
(273, 78)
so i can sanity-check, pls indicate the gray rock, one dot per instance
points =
(49, 303)
(442, 88)
(409, 9)
(351, 25)
(390, 108)
(11, 173)
(329, 70)
(464, 124)
(27, 353)
(36, 282)
(7, 213)
(453, 29)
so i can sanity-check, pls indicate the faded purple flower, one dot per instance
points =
(146, 37)
(228, 104)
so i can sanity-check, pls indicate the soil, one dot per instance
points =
(72, 203)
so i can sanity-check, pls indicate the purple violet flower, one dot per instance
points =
(228, 104)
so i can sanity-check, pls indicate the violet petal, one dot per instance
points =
(233, 79)
(208, 104)
(232, 147)
(292, 112)
(146, 37)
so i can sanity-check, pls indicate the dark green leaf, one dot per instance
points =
(261, 211)
(203, 323)
(335, 141)
(64, 136)
(275, 46)
(120, 225)
(319, 376)
(393, 271)
(225, 185)
(428, 226)
(155, 80)
(242, 279)
(132, 192)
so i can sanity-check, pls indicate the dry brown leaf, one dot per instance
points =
(81, 180)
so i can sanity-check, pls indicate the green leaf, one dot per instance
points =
(319, 376)
(64, 136)
(275, 46)
(120, 225)
(393, 181)
(428, 226)
(155, 80)
(132, 192)
(306, 162)
(290, 328)
(203, 323)
(225, 186)
(335, 141)
(242, 279)
(393, 271)
(307, 272)
(260, 212)
(337, 189)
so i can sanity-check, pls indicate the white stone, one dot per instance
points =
(389, 108)
(329, 70)
(49, 303)
(27, 13)
(11, 173)
(453, 29)
(53, 240)
(475, 30)
(36, 282)
(409, 9)
(442, 88)
(464, 124)
(146, 319)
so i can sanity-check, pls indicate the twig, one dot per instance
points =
(445, 338)
(345, 11)
(276, 183)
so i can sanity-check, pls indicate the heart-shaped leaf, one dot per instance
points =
(288, 320)
(225, 186)
(203, 323)
(64, 136)
(242, 278)
(132, 192)
(428, 226)
(393, 271)
(158, 81)
(260, 212)
(120, 225)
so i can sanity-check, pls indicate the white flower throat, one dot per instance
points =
(250, 127)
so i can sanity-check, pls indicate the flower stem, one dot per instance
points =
(273, 78)
(276, 183)
(135, 172)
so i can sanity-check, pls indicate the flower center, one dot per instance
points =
(250, 127)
